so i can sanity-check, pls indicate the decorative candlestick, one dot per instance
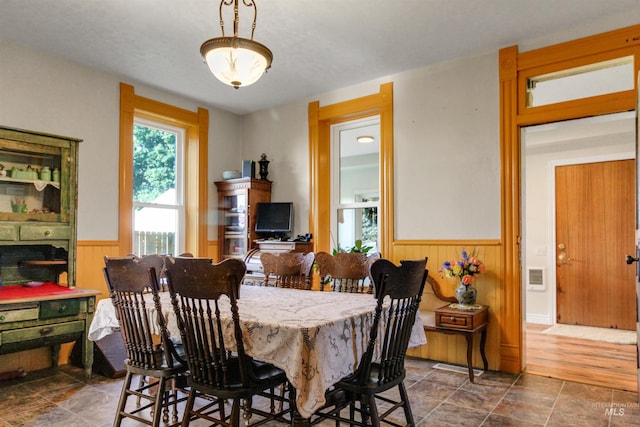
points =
(264, 165)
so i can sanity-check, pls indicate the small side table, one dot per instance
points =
(454, 321)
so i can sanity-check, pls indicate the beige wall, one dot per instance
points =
(446, 138)
(47, 94)
(446, 153)
(446, 132)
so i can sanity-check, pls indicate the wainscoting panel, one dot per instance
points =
(452, 348)
(440, 347)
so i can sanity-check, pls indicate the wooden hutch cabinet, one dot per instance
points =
(38, 200)
(237, 199)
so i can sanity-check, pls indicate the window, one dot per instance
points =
(595, 79)
(158, 202)
(187, 132)
(355, 193)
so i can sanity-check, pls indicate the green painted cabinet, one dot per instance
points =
(50, 320)
(38, 202)
(38, 199)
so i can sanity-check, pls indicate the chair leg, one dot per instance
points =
(174, 394)
(235, 413)
(273, 400)
(373, 409)
(352, 411)
(166, 401)
(246, 410)
(186, 417)
(171, 402)
(221, 407)
(160, 397)
(141, 383)
(406, 405)
(122, 402)
(283, 388)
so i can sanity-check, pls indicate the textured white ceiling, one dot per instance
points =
(318, 45)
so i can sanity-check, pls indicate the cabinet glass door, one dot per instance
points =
(30, 182)
(235, 226)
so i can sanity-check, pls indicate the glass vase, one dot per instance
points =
(466, 294)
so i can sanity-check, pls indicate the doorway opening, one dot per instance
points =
(544, 150)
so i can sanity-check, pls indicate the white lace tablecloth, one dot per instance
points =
(317, 338)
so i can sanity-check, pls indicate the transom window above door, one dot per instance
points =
(611, 76)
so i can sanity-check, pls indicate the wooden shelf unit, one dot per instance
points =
(237, 199)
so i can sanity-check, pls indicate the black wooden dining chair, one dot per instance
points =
(205, 300)
(157, 261)
(398, 290)
(346, 271)
(150, 352)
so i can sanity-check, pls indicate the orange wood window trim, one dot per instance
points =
(601, 104)
(196, 125)
(513, 66)
(320, 121)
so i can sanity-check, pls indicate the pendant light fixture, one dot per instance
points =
(236, 61)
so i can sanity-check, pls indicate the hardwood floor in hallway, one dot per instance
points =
(584, 361)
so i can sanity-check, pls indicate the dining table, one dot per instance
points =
(316, 338)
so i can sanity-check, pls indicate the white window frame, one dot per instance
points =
(336, 204)
(179, 206)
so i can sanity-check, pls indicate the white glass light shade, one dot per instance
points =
(236, 61)
(364, 139)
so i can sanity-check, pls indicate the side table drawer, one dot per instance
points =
(458, 321)
(464, 320)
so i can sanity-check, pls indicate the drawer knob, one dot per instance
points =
(46, 331)
(453, 319)
(62, 308)
(2, 317)
(47, 232)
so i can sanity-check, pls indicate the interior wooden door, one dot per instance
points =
(595, 222)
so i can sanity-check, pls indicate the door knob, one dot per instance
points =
(563, 258)
(631, 260)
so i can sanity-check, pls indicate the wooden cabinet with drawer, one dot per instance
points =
(455, 321)
(48, 321)
(38, 203)
(452, 318)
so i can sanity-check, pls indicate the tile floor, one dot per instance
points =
(60, 397)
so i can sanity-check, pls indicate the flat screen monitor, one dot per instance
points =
(274, 218)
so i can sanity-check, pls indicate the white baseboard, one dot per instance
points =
(541, 319)
(456, 368)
